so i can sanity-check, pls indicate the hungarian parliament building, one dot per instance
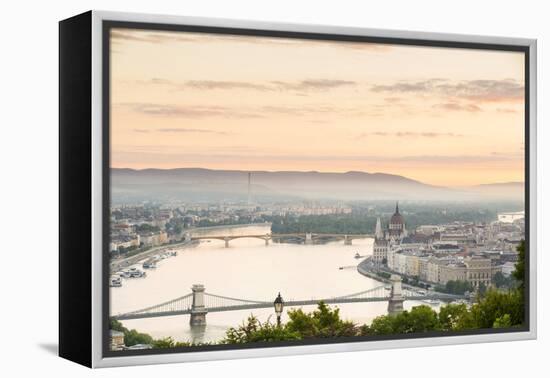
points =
(393, 235)
(459, 251)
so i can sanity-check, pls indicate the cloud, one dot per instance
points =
(157, 80)
(393, 100)
(313, 84)
(486, 90)
(412, 134)
(159, 37)
(298, 86)
(178, 111)
(309, 110)
(454, 106)
(179, 130)
(185, 130)
(209, 111)
(506, 90)
(215, 84)
(407, 87)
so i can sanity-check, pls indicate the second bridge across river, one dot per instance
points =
(307, 237)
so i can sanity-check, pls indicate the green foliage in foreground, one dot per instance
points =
(323, 322)
(131, 336)
(504, 282)
(419, 319)
(169, 342)
(519, 272)
(254, 331)
(495, 310)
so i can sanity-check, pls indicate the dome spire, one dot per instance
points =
(397, 207)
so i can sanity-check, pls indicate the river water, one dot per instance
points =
(250, 270)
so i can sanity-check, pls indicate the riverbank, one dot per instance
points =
(364, 268)
(120, 264)
(367, 269)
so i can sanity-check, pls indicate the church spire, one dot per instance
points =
(378, 231)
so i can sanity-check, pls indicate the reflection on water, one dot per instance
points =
(249, 270)
(197, 334)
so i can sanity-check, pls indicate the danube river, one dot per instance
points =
(250, 270)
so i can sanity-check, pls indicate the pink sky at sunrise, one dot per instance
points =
(443, 116)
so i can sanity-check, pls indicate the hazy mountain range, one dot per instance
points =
(205, 184)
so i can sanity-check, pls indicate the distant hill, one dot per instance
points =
(499, 191)
(206, 184)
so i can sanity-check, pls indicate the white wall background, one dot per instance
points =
(28, 148)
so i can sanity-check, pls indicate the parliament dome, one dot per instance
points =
(397, 218)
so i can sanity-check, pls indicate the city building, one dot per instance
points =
(452, 272)
(423, 267)
(380, 250)
(153, 239)
(412, 264)
(117, 340)
(511, 217)
(479, 270)
(432, 273)
(447, 247)
(428, 230)
(124, 241)
(458, 237)
(380, 246)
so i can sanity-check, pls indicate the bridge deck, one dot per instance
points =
(258, 305)
(278, 236)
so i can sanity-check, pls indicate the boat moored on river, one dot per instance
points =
(149, 264)
(136, 273)
(431, 302)
(123, 274)
(115, 281)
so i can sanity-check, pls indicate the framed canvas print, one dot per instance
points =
(234, 189)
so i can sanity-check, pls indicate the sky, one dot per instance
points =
(443, 116)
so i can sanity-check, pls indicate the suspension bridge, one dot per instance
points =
(198, 303)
